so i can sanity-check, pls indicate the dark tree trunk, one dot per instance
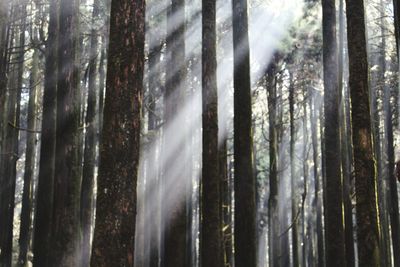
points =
(44, 195)
(245, 196)
(211, 222)
(89, 161)
(30, 156)
(364, 164)
(334, 230)
(113, 243)
(66, 231)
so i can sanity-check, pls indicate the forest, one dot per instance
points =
(202, 133)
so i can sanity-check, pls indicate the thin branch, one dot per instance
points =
(23, 129)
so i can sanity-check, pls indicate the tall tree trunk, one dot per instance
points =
(244, 184)
(89, 161)
(334, 231)
(44, 194)
(364, 164)
(66, 231)
(30, 157)
(211, 222)
(113, 243)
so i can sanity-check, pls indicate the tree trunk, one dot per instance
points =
(211, 222)
(44, 195)
(334, 230)
(364, 164)
(66, 231)
(113, 243)
(244, 184)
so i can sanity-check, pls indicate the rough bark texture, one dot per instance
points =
(66, 231)
(44, 195)
(30, 156)
(334, 230)
(89, 160)
(211, 223)
(364, 164)
(244, 184)
(114, 233)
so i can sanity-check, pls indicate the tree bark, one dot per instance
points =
(364, 164)
(334, 231)
(113, 243)
(244, 184)
(66, 230)
(44, 194)
(211, 222)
